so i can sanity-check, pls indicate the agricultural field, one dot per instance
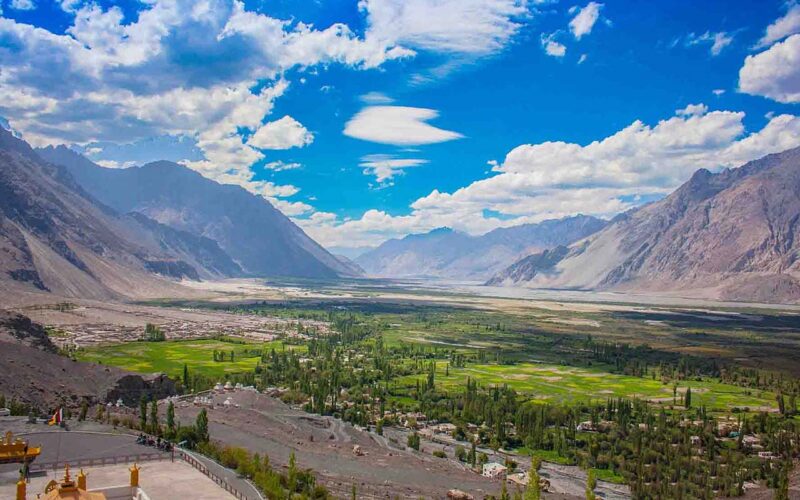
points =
(537, 349)
(767, 339)
(170, 356)
(563, 384)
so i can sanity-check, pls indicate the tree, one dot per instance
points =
(185, 376)
(782, 488)
(591, 484)
(84, 410)
(473, 457)
(171, 419)
(533, 490)
(153, 333)
(201, 426)
(292, 473)
(781, 403)
(143, 413)
(687, 401)
(154, 417)
(413, 441)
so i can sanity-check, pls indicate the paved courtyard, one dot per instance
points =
(160, 480)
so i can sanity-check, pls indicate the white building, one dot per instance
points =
(494, 470)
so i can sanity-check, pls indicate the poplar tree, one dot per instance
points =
(143, 413)
(171, 419)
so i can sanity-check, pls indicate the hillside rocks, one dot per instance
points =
(733, 235)
(33, 373)
(131, 388)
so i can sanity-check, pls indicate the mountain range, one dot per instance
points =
(55, 237)
(732, 235)
(445, 253)
(76, 229)
(262, 240)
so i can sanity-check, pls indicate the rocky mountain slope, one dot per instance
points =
(732, 235)
(32, 372)
(262, 240)
(445, 253)
(55, 237)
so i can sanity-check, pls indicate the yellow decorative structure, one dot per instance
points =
(21, 489)
(82, 480)
(68, 489)
(17, 451)
(134, 476)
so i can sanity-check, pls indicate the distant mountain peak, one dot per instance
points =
(447, 253)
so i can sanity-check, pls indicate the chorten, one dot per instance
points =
(69, 489)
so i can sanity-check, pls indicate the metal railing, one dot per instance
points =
(221, 482)
(99, 461)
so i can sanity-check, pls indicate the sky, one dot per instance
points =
(364, 120)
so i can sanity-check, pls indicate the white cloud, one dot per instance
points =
(474, 27)
(22, 4)
(115, 164)
(179, 68)
(782, 27)
(386, 167)
(585, 19)
(270, 190)
(70, 6)
(397, 125)
(285, 133)
(774, 73)
(279, 166)
(582, 59)
(718, 92)
(721, 40)
(556, 179)
(718, 41)
(693, 110)
(291, 208)
(376, 98)
(552, 47)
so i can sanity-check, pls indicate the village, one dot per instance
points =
(256, 329)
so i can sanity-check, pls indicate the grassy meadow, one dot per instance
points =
(170, 356)
(554, 383)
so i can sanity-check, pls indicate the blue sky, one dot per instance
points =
(370, 120)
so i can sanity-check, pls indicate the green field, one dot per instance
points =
(554, 383)
(170, 356)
